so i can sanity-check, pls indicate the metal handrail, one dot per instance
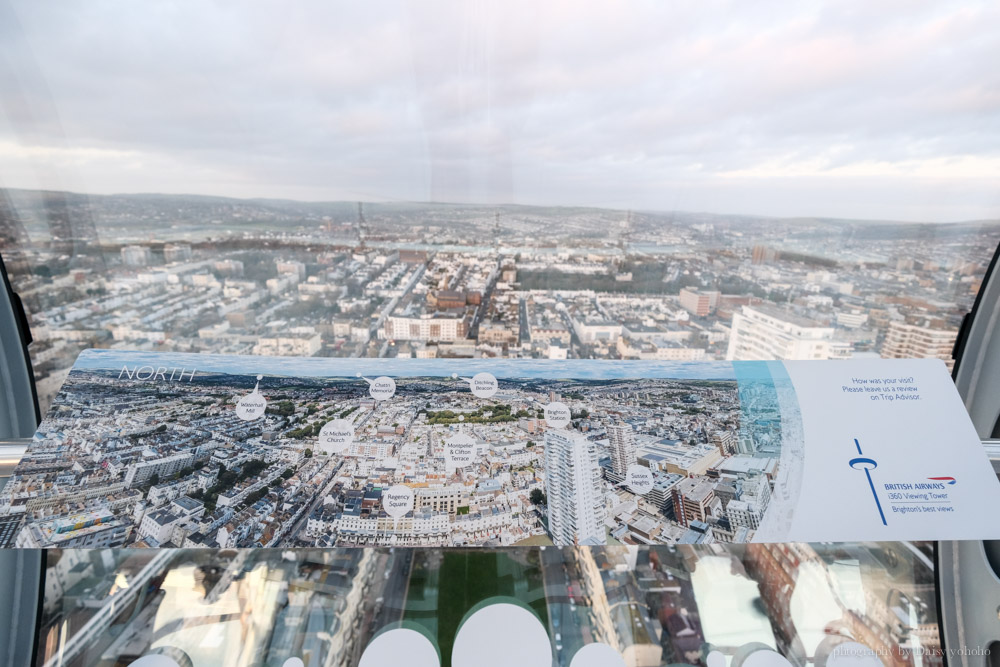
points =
(993, 451)
(11, 452)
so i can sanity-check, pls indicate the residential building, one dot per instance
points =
(623, 450)
(694, 499)
(136, 255)
(662, 493)
(138, 473)
(177, 252)
(159, 526)
(700, 303)
(766, 332)
(433, 326)
(574, 489)
(922, 340)
(97, 529)
(441, 499)
(291, 344)
(748, 510)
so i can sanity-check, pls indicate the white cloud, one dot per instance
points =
(805, 109)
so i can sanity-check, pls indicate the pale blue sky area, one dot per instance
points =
(328, 367)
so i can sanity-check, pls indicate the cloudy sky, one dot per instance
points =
(887, 110)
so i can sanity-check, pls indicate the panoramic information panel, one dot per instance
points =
(175, 450)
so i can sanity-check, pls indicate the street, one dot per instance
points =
(566, 619)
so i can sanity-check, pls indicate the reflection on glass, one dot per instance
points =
(233, 276)
(306, 283)
(654, 606)
(729, 603)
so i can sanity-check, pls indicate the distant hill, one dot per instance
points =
(168, 216)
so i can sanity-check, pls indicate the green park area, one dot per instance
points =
(445, 585)
(493, 414)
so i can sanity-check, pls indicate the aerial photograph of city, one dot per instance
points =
(181, 450)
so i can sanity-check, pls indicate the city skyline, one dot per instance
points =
(474, 282)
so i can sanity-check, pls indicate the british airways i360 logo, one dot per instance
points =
(905, 497)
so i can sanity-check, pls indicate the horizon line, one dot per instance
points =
(390, 201)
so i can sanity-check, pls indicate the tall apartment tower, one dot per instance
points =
(925, 339)
(622, 440)
(574, 489)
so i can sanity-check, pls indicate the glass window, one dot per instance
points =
(508, 180)
(675, 187)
